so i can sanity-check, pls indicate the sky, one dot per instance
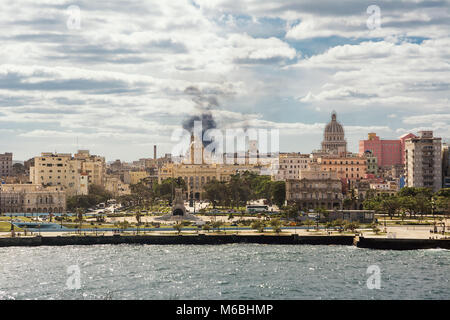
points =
(117, 77)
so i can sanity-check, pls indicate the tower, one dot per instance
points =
(334, 137)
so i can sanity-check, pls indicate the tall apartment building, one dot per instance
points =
(290, 165)
(445, 166)
(72, 173)
(93, 165)
(6, 164)
(388, 152)
(423, 161)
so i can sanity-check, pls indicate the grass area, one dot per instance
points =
(88, 226)
(6, 227)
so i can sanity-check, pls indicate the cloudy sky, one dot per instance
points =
(132, 71)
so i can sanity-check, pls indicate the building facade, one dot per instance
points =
(6, 164)
(423, 161)
(387, 152)
(445, 166)
(32, 198)
(133, 177)
(61, 169)
(350, 167)
(290, 165)
(315, 188)
(115, 185)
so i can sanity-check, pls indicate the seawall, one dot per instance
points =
(202, 239)
(402, 244)
(175, 239)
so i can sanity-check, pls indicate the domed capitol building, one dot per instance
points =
(334, 137)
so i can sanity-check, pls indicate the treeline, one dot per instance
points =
(410, 201)
(234, 193)
(97, 194)
(245, 187)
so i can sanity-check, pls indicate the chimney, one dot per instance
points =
(154, 152)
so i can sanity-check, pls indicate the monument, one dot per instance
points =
(178, 210)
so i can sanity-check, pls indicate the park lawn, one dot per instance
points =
(89, 226)
(6, 227)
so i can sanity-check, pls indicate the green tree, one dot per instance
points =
(276, 225)
(217, 225)
(178, 227)
(279, 193)
(215, 192)
(258, 225)
(308, 224)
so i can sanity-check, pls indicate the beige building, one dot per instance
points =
(6, 164)
(315, 189)
(61, 169)
(197, 175)
(133, 177)
(196, 172)
(116, 186)
(290, 165)
(423, 161)
(32, 198)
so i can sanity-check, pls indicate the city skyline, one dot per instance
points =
(119, 80)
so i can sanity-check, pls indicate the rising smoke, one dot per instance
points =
(204, 103)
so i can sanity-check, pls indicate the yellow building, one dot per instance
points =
(133, 177)
(61, 169)
(197, 175)
(116, 186)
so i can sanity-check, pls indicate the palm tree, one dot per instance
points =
(276, 225)
(309, 223)
(178, 227)
(80, 212)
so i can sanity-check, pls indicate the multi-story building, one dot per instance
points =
(403, 139)
(334, 137)
(56, 169)
(423, 161)
(315, 188)
(116, 186)
(6, 164)
(197, 175)
(445, 166)
(196, 172)
(372, 162)
(387, 152)
(32, 198)
(93, 165)
(133, 177)
(349, 167)
(290, 165)
(61, 169)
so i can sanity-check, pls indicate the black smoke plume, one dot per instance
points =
(204, 104)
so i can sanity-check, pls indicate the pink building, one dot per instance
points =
(388, 152)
